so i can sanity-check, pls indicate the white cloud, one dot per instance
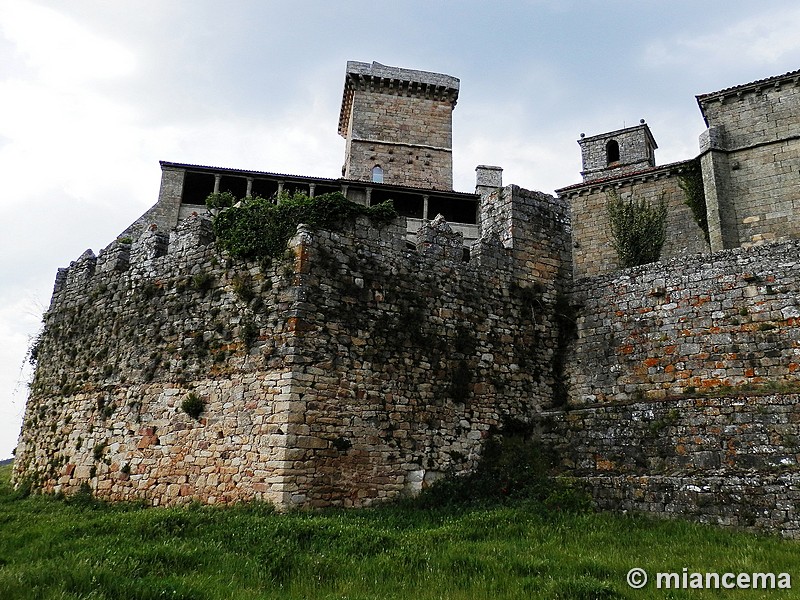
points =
(761, 40)
(19, 315)
(59, 49)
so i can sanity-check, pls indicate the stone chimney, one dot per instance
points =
(488, 179)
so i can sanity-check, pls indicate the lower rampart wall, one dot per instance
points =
(683, 381)
(351, 370)
(727, 460)
(129, 335)
(411, 360)
(698, 323)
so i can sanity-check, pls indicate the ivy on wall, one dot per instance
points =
(637, 229)
(259, 228)
(691, 182)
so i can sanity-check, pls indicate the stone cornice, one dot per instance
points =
(404, 144)
(754, 87)
(395, 81)
(620, 180)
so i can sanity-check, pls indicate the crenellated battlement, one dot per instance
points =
(367, 362)
(268, 348)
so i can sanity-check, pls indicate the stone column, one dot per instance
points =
(720, 209)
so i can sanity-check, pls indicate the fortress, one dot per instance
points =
(370, 361)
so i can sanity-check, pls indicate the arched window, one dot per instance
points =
(612, 151)
(377, 174)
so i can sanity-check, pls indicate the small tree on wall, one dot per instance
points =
(637, 229)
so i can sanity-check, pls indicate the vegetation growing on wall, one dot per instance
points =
(193, 405)
(565, 317)
(637, 229)
(259, 228)
(219, 200)
(513, 466)
(691, 182)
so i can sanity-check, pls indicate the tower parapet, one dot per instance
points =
(398, 125)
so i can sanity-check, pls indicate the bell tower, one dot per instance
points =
(618, 152)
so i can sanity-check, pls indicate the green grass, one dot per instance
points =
(56, 549)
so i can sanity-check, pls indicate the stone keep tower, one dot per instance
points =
(398, 125)
(617, 152)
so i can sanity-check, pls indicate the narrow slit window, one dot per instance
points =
(612, 151)
(377, 174)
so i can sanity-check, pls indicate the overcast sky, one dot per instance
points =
(94, 93)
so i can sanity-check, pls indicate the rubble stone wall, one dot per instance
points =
(352, 370)
(591, 230)
(411, 358)
(729, 460)
(683, 380)
(700, 322)
(128, 336)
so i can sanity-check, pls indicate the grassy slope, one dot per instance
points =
(56, 549)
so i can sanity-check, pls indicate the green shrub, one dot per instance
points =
(637, 229)
(460, 382)
(260, 229)
(248, 332)
(193, 405)
(97, 451)
(513, 467)
(202, 282)
(243, 286)
(217, 200)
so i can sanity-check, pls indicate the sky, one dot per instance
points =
(94, 93)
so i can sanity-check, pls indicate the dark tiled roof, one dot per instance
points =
(325, 180)
(624, 176)
(211, 168)
(746, 86)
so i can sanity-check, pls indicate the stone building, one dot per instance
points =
(749, 163)
(369, 361)
(398, 126)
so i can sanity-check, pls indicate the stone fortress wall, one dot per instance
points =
(358, 369)
(684, 382)
(354, 369)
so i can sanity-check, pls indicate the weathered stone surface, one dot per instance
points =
(399, 120)
(366, 365)
(358, 368)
